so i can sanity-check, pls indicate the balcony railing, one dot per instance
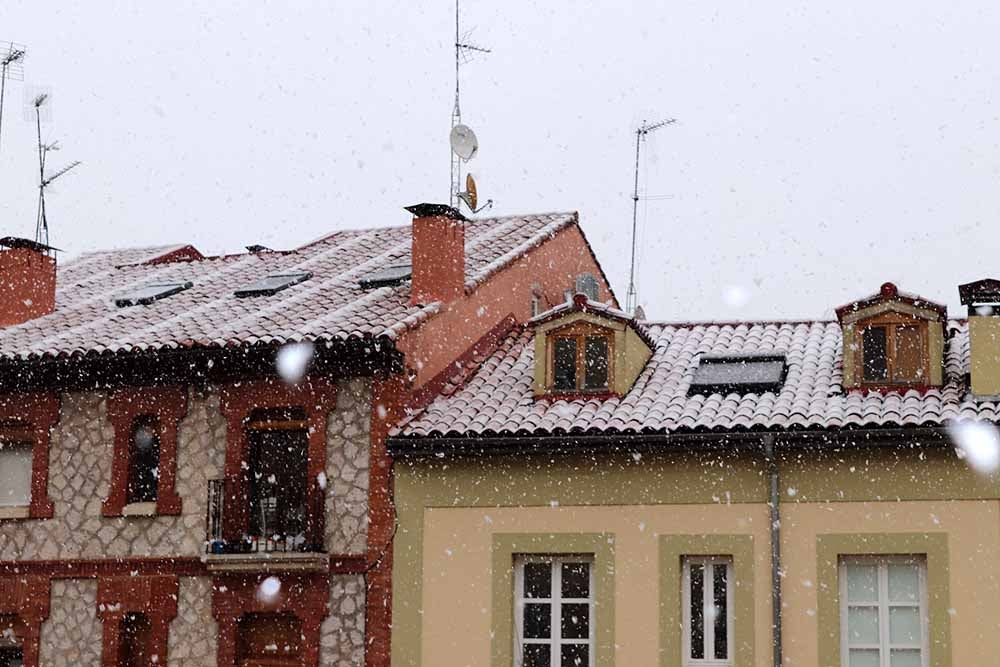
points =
(235, 525)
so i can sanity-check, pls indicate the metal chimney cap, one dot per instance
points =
(17, 242)
(436, 210)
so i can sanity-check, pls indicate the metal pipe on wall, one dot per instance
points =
(772, 467)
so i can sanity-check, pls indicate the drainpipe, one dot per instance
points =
(772, 469)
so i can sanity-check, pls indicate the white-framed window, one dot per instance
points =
(587, 284)
(883, 611)
(15, 473)
(554, 611)
(707, 601)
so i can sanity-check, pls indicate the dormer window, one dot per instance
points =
(580, 361)
(893, 354)
(584, 347)
(892, 340)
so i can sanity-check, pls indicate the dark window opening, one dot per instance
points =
(11, 656)
(596, 363)
(875, 354)
(144, 461)
(387, 277)
(271, 639)
(697, 611)
(134, 641)
(564, 364)
(278, 464)
(721, 618)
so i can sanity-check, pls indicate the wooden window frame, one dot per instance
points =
(709, 629)
(882, 606)
(891, 322)
(167, 406)
(579, 331)
(39, 412)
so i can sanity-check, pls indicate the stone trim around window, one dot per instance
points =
(153, 596)
(168, 405)
(933, 546)
(27, 598)
(40, 412)
(600, 545)
(675, 547)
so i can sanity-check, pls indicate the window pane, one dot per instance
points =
(862, 583)
(11, 657)
(862, 625)
(596, 374)
(575, 620)
(575, 655)
(15, 473)
(564, 364)
(904, 625)
(576, 580)
(863, 657)
(905, 658)
(537, 620)
(537, 580)
(908, 364)
(537, 655)
(719, 600)
(874, 354)
(904, 583)
(697, 611)
(143, 474)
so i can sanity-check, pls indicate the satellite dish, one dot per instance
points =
(469, 196)
(463, 142)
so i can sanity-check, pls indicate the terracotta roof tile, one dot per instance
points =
(329, 306)
(810, 398)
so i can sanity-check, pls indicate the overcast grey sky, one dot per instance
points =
(821, 148)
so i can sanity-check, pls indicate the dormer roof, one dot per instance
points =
(581, 304)
(885, 299)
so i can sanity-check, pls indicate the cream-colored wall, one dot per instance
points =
(457, 577)
(973, 529)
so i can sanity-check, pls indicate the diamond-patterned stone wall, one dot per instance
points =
(347, 454)
(342, 635)
(71, 636)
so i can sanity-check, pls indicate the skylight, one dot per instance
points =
(387, 277)
(272, 284)
(147, 294)
(739, 373)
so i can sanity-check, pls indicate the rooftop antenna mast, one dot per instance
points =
(464, 51)
(41, 221)
(11, 67)
(640, 136)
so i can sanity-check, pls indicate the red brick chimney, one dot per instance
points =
(27, 281)
(438, 253)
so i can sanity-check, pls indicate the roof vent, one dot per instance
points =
(739, 373)
(272, 284)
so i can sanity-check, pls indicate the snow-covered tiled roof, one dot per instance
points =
(497, 400)
(328, 306)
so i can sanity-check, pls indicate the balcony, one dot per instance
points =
(264, 525)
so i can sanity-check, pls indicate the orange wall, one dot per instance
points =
(554, 265)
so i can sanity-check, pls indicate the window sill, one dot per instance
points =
(15, 512)
(140, 509)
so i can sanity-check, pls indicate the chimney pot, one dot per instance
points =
(982, 298)
(27, 281)
(437, 254)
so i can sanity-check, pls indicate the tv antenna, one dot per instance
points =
(464, 52)
(640, 136)
(11, 67)
(41, 221)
